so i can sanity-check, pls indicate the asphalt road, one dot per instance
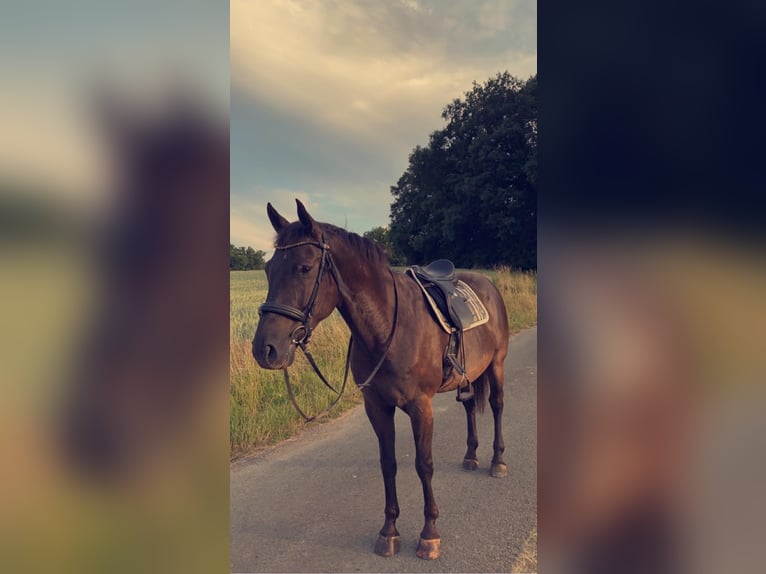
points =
(315, 503)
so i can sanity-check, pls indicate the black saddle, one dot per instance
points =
(438, 278)
(441, 273)
(439, 270)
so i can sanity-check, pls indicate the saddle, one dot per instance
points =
(456, 308)
(441, 275)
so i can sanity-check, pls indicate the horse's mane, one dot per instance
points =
(367, 248)
(370, 251)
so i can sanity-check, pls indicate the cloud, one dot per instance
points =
(379, 71)
(329, 98)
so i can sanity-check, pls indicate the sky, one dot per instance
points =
(328, 98)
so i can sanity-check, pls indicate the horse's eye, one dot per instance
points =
(304, 269)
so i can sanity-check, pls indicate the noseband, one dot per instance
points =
(301, 335)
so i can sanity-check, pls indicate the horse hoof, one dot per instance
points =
(429, 549)
(387, 545)
(499, 470)
(470, 463)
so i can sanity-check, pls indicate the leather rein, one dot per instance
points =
(301, 335)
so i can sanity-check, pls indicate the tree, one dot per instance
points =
(382, 237)
(241, 258)
(471, 194)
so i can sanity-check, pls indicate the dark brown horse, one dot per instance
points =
(318, 267)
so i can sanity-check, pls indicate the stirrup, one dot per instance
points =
(464, 393)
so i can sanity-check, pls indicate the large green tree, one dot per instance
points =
(471, 194)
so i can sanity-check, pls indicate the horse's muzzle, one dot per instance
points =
(269, 357)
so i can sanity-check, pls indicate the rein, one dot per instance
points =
(301, 335)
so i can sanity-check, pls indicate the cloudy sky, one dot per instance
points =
(328, 98)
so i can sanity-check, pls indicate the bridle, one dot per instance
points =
(301, 335)
(303, 316)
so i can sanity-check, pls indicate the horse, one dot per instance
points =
(397, 347)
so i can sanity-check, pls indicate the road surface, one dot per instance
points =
(315, 503)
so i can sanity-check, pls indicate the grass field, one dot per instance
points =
(260, 410)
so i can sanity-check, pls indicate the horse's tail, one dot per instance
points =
(480, 392)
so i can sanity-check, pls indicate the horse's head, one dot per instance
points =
(303, 289)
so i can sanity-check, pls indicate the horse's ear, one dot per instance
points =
(307, 221)
(277, 221)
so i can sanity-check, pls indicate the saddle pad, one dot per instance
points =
(437, 303)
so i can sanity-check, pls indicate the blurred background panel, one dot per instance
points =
(651, 381)
(651, 281)
(114, 186)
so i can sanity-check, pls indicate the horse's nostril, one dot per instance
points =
(267, 356)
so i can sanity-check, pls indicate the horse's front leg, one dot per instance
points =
(382, 420)
(422, 418)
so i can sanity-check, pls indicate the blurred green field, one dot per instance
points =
(167, 516)
(260, 410)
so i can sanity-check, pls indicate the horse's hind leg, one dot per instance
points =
(382, 420)
(496, 374)
(470, 462)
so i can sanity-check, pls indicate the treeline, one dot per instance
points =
(470, 195)
(241, 258)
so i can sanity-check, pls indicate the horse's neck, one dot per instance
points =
(366, 300)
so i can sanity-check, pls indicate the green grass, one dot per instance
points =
(260, 410)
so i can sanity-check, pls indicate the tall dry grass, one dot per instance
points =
(519, 292)
(260, 410)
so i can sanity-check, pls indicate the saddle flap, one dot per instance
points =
(459, 310)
